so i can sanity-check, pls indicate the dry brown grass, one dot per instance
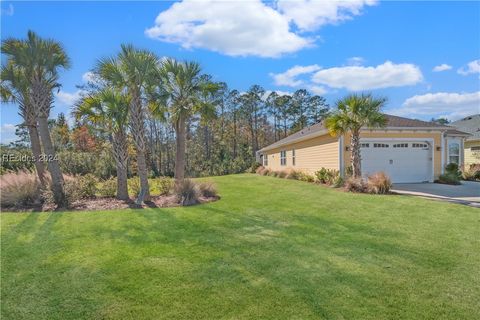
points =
(19, 188)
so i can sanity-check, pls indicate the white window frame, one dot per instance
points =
(283, 158)
(458, 155)
(293, 157)
(265, 160)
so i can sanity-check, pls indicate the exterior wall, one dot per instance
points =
(436, 136)
(471, 157)
(310, 155)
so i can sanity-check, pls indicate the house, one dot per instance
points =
(407, 150)
(471, 146)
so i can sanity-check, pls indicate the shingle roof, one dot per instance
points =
(392, 122)
(470, 124)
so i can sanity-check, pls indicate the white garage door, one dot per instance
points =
(403, 161)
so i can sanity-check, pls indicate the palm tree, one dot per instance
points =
(133, 70)
(40, 60)
(108, 109)
(353, 113)
(185, 91)
(14, 89)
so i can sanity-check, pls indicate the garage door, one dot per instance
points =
(402, 161)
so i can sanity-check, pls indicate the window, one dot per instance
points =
(475, 149)
(400, 145)
(365, 145)
(283, 158)
(419, 145)
(265, 160)
(454, 152)
(380, 145)
(293, 157)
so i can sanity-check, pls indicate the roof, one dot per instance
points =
(470, 124)
(392, 122)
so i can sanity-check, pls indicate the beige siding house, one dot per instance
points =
(470, 124)
(407, 150)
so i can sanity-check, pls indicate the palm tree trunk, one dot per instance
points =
(138, 131)
(355, 154)
(180, 152)
(52, 163)
(37, 153)
(121, 159)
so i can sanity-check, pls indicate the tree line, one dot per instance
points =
(152, 116)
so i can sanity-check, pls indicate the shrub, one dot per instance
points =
(472, 173)
(187, 192)
(259, 169)
(293, 174)
(134, 186)
(273, 173)
(452, 175)
(86, 185)
(356, 185)
(338, 182)
(379, 183)
(448, 178)
(327, 176)
(306, 177)
(207, 189)
(76, 188)
(21, 188)
(165, 185)
(253, 168)
(266, 172)
(282, 174)
(108, 188)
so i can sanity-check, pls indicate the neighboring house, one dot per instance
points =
(407, 150)
(471, 125)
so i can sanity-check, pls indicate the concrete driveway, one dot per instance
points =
(467, 193)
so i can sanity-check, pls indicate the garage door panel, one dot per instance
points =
(410, 161)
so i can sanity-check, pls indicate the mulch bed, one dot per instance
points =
(104, 203)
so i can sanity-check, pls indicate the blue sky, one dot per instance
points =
(423, 56)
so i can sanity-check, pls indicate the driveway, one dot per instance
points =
(467, 193)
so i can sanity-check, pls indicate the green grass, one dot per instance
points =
(269, 249)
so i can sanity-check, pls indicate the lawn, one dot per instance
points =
(269, 249)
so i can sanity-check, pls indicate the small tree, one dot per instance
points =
(183, 87)
(108, 108)
(353, 113)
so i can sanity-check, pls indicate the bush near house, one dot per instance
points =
(379, 183)
(472, 173)
(452, 175)
(327, 176)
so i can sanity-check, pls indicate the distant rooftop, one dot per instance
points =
(392, 121)
(470, 124)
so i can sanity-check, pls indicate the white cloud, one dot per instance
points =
(367, 78)
(231, 27)
(309, 15)
(472, 67)
(442, 67)
(88, 77)
(289, 77)
(318, 90)
(279, 92)
(447, 104)
(67, 98)
(355, 61)
(7, 128)
(249, 28)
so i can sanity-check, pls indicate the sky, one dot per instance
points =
(424, 57)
